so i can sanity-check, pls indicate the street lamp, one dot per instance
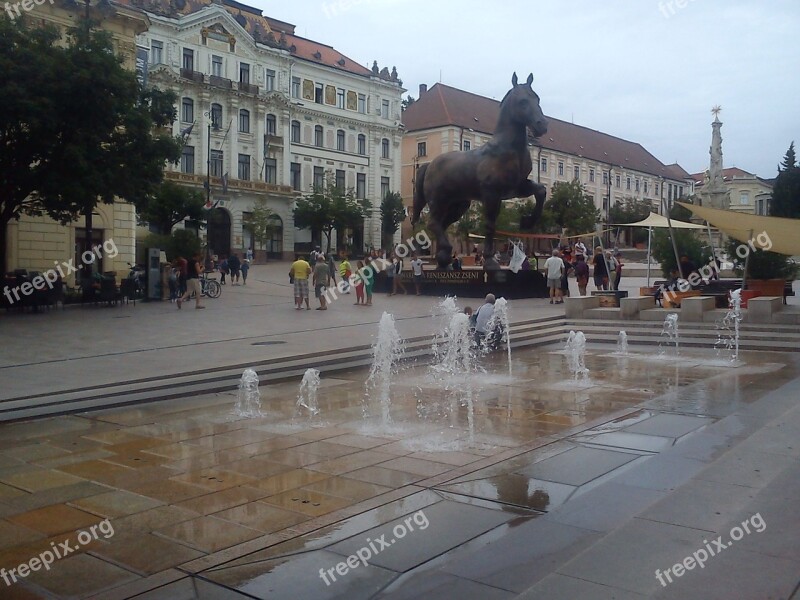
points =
(608, 209)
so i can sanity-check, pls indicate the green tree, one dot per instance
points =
(71, 142)
(181, 242)
(406, 102)
(686, 240)
(761, 264)
(786, 190)
(571, 208)
(169, 205)
(330, 207)
(631, 210)
(261, 222)
(393, 213)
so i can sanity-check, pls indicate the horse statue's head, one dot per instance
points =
(523, 104)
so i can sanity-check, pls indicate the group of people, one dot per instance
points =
(233, 267)
(606, 270)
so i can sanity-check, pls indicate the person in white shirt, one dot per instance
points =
(482, 317)
(554, 267)
(416, 265)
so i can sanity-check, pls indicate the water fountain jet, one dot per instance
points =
(248, 399)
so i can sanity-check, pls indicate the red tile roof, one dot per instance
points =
(443, 106)
(727, 174)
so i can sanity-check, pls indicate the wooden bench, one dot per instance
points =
(673, 299)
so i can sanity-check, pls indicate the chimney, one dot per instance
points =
(423, 87)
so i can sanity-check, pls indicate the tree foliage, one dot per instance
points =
(181, 242)
(393, 213)
(761, 264)
(570, 208)
(261, 222)
(75, 129)
(686, 240)
(631, 210)
(169, 205)
(786, 190)
(329, 207)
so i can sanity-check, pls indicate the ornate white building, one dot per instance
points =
(278, 110)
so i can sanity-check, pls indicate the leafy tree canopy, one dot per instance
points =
(393, 213)
(571, 208)
(261, 222)
(169, 205)
(786, 190)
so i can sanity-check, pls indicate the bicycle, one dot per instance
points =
(210, 287)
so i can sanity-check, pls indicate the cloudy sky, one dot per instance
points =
(644, 70)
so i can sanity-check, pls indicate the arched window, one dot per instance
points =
(272, 125)
(216, 116)
(362, 144)
(244, 121)
(384, 148)
(296, 132)
(318, 136)
(340, 140)
(187, 110)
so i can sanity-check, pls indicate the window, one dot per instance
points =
(294, 175)
(543, 165)
(422, 149)
(318, 135)
(295, 132)
(187, 110)
(216, 116)
(645, 188)
(187, 160)
(271, 170)
(618, 180)
(319, 177)
(340, 140)
(576, 172)
(269, 81)
(605, 202)
(318, 93)
(244, 167)
(384, 187)
(591, 175)
(362, 103)
(272, 125)
(339, 98)
(385, 109)
(244, 121)
(744, 198)
(656, 189)
(560, 168)
(637, 185)
(216, 66)
(244, 73)
(384, 148)
(466, 145)
(669, 192)
(627, 183)
(362, 144)
(680, 191)
(188, 59)
(295, 87)
(605, 177)
(340, 179)
(156, 52)
(361, 185)
(216, 157)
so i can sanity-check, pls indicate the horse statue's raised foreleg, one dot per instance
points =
(539, 192)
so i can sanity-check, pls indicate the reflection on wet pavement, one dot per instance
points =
(261, 505)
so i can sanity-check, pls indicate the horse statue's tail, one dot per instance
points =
(419, 196)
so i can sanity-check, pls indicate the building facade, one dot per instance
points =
(37, 243)
(446, 119)
(746, 192)
(267, 114)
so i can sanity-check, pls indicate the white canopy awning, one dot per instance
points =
(659, 221)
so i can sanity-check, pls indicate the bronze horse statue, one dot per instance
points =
(492, 173)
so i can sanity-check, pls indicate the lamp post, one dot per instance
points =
(608, 209)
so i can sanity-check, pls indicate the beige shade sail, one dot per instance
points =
(658, 221)
(777, 234)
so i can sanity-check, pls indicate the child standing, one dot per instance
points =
(369, 280)
(360, 285)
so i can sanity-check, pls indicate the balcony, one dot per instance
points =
(275, 141)
(220, 82)
(233, 184)
(192, 75)
(248, 88)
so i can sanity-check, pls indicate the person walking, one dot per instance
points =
(618, 273)
(581, 273)
(600, 270)
(183, 268)
(194, 268)
(397, 267)
(223, 270)
(568, 266)
(416, 266)
(245, 268)
(332, 268)
(345, 271)
(321, 281)
(298, 273)
(234, 264)
(554, 268)
(390, 274)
